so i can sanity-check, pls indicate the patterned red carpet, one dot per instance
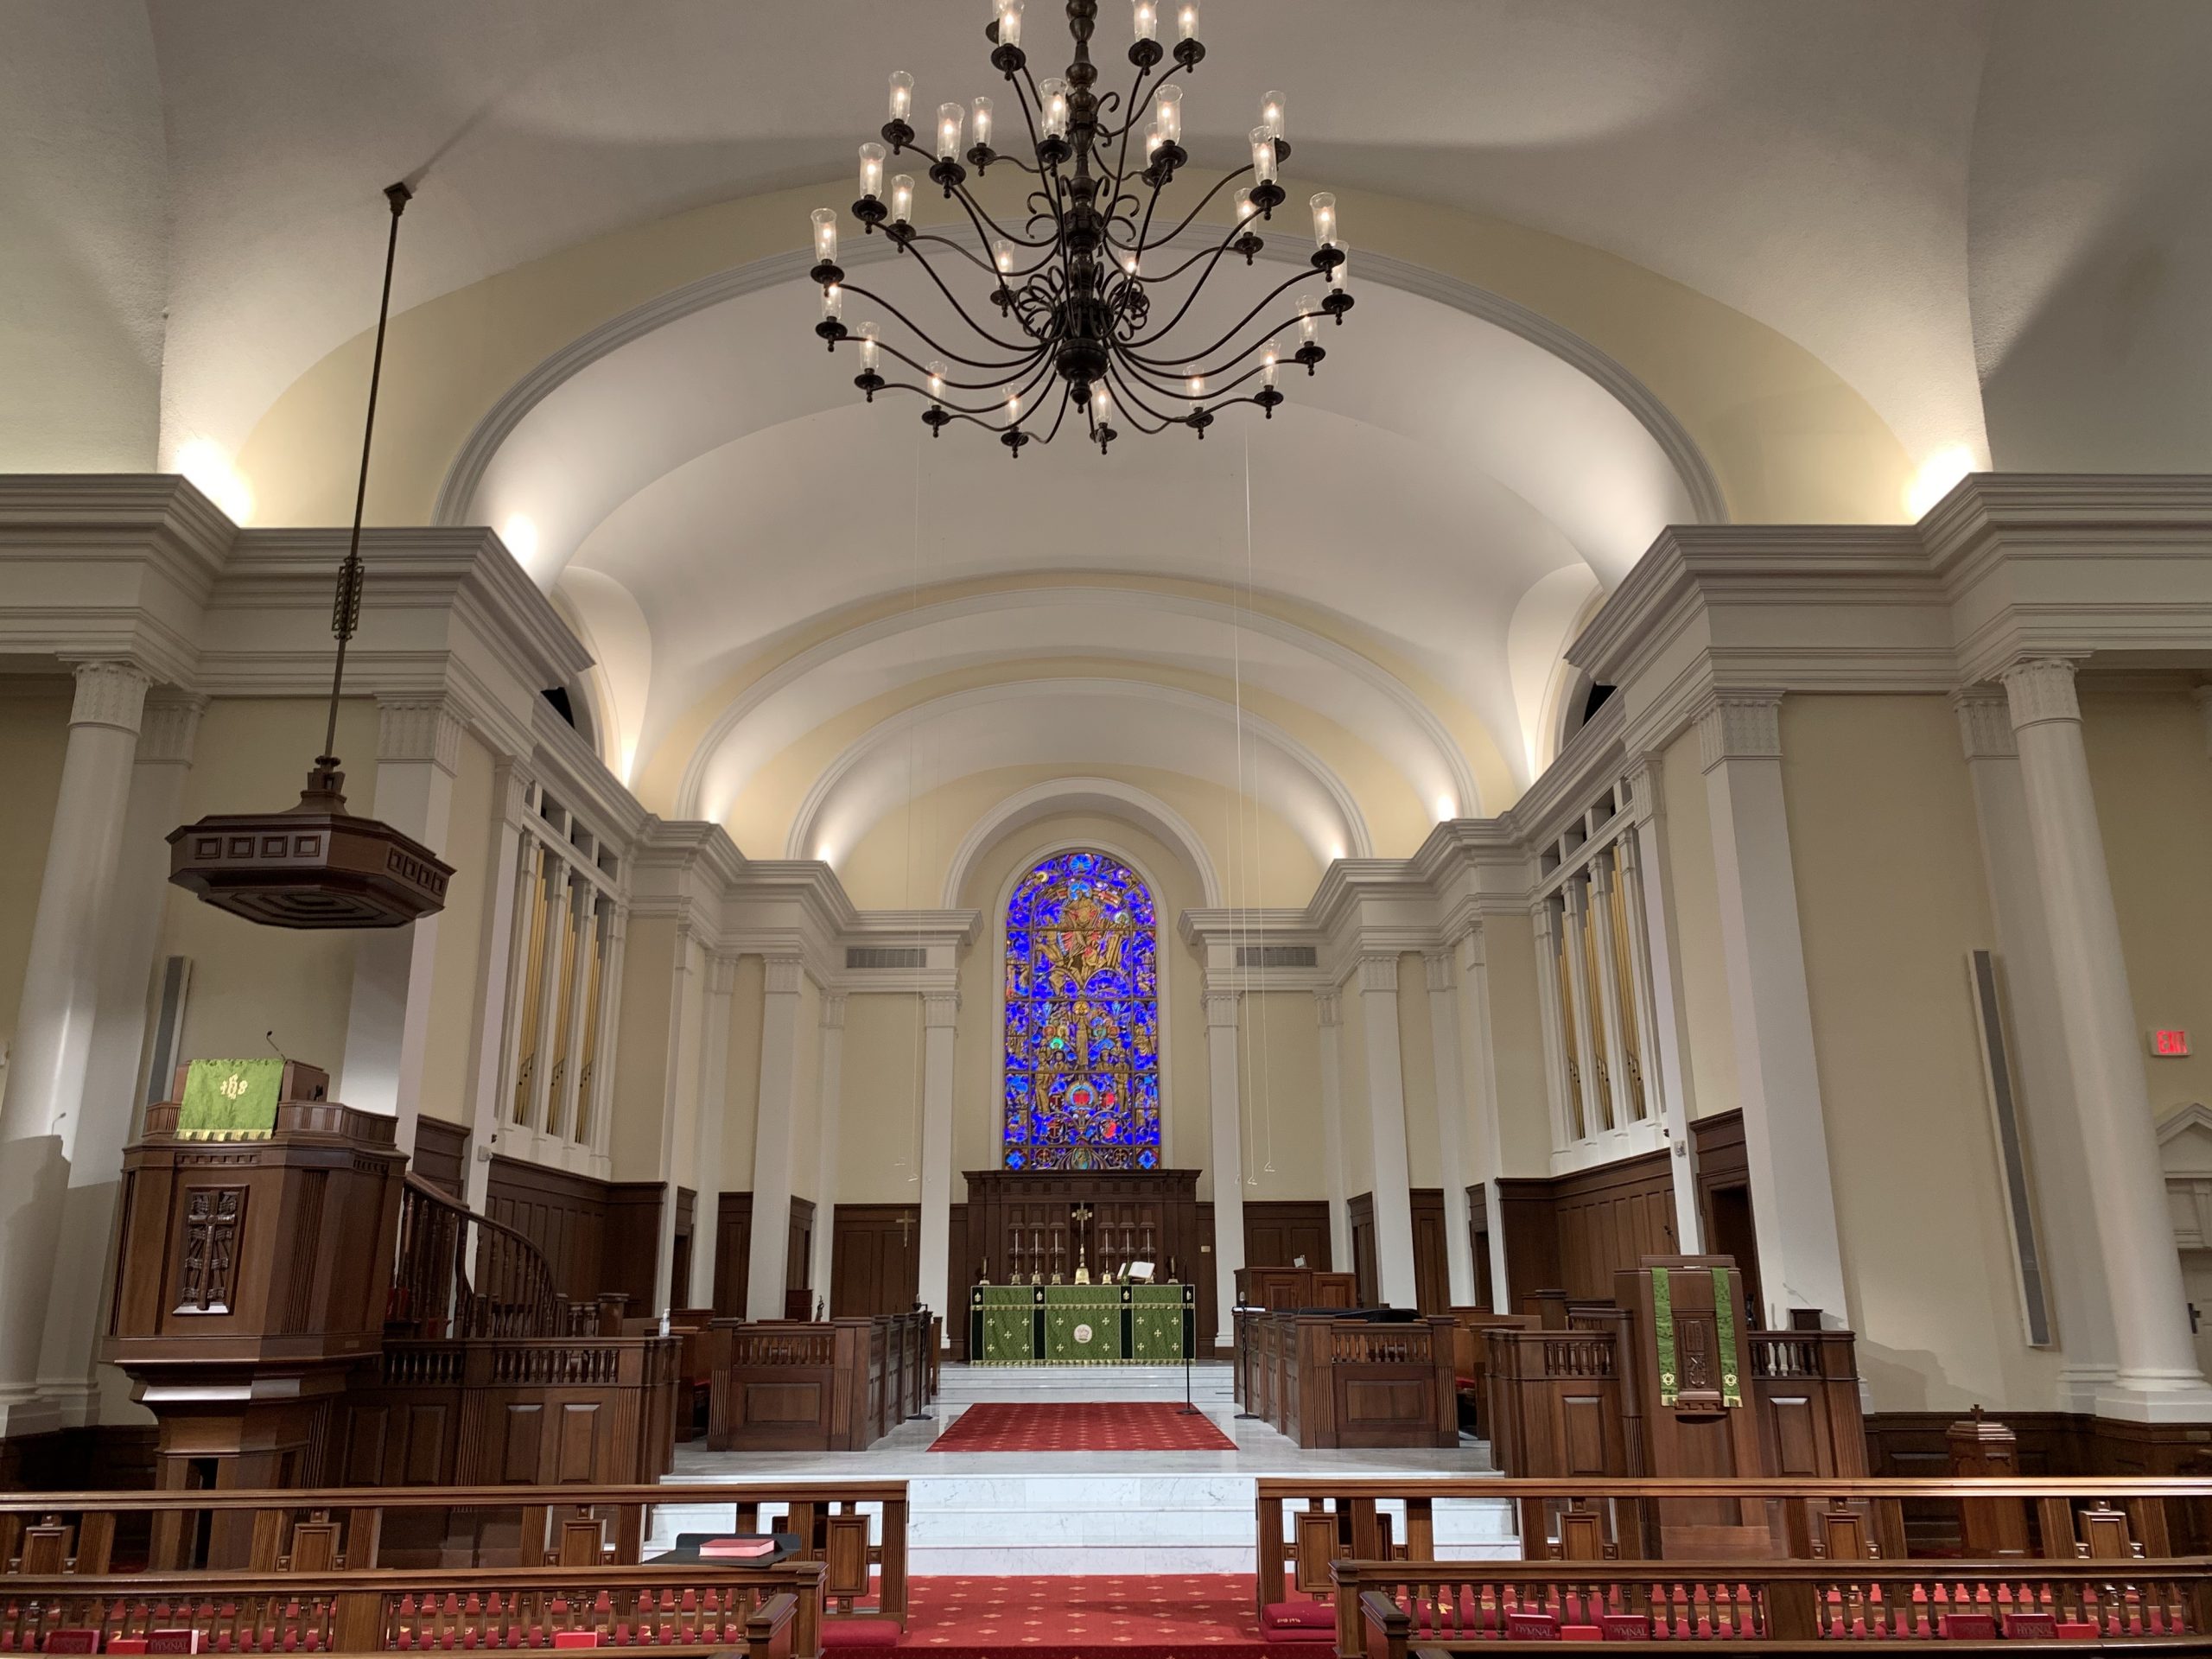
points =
(1083, 1618)
(1080, 1426)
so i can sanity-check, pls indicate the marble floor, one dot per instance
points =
(1092, 1512)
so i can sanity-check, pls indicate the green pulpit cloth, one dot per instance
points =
(229, 1100)
(1724, 1331)
(1082, 1325)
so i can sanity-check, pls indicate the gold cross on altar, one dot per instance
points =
(1080, 1214)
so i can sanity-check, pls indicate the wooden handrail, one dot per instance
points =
(503, 1286)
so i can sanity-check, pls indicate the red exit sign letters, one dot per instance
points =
(2168, 1045)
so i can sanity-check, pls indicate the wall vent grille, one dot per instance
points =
(1278, 955)
(858, 957)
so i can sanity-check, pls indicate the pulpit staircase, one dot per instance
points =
(460, 1274)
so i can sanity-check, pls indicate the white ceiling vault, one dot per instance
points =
(1988, 220)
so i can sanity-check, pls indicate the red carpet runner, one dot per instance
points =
(1080, 1426)
(1085, 1619)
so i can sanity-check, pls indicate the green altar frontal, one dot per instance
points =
(1082, 1325)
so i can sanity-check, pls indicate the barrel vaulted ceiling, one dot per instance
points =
(1949, 212)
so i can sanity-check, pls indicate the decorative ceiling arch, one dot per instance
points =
(1287, 775)
(774, 706)
(1106, 796)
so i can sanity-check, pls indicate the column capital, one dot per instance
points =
(940, 1009)
(1329, 1007)
(1222, 1009)
(2039, 689)
(1574, 893)
(168, 727)
(833, 1010)
(1474, 949)
(110, 691)
(1985, 722)
(511, 781)
(419, 730)
(1379, 973)
(1740, 726)
(1437, 964)
(1545, 921)
(722, 974)
(784, 975)
(1640, 783)
(1601, 871)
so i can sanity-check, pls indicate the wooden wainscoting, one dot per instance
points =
(1573, 1232)
(1359, 1212)
(732, 1253)
(1723, 1200)
(1279, 1231)
(1432, 1256)
(598, 1237)
(875, 1259)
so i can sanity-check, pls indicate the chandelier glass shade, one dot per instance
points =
(1087, 324)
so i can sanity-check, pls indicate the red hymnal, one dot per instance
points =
(172, 1640)
(126, 1644)
(71, 1641)
(736, 1549)
(576, 1638)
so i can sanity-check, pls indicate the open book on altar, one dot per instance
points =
(1138, 1273)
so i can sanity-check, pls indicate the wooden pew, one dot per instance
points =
(1387, 1608)
(1319, 1379)
(856, 1530)
(831, 1385)
(772, 1612)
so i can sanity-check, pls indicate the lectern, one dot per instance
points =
(258, 1220)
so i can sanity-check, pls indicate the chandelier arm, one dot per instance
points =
(959, 310)
(977, 211)
(1046, 175)
(1156, 335)
(1207, 256)
(1057, 422)
(1126, 396)
(1235, 229)
(1023, 350)
(1137, 110)
(988, 264)
(1144, 376)
(1121, 162)
(1002, 370)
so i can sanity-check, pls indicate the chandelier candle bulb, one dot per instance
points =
(1053, 100)
(1271, 112)
(1147, 19)
(1198, 392)
(1013, 406)
(1337, 271)
(833, 303)
(982, 111)
(1268, 362)
(1186, 21)
(949, 119)
(867, 347)
(1308, 324)
(902, 96)
(1009, 20)
(1244, 207)
(1324, 219)
(1102, 404)
(871, 171)
(902, 198)
(825, 236)
(1263, 156)
(1002, 251)
(937, 380)
(1168, 114)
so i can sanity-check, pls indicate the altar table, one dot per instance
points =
(1082, 1325)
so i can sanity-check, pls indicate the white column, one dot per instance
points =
(1605, 994)
(1226, 1111)
(1386, 1117)
(2158, 1375)
(707, 1144)
(1647, 888)
(1785, 1133)
(1489, 1107)
(1450, 1123)
(684, 1020)
(771, 1140)
(1328, 1008)
(1544, 921)
(418, 751)
(831, 1075)
(934, 1268)
(498, 982)
(1597, 1107)
(51, 1056)
(2043, 1085)
(114, 1081)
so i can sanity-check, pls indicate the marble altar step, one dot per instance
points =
(965, 1385)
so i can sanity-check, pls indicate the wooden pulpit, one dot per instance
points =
(1687, 1394)
(259, 1222)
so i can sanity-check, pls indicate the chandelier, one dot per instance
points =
(1090, 314)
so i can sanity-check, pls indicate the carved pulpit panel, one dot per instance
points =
(213, 1216)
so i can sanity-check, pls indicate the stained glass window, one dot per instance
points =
(1082, 1018)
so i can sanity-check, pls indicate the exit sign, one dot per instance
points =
(2168, 1045)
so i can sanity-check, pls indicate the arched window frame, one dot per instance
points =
(1164, 989)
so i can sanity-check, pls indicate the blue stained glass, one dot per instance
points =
(1082, 1018)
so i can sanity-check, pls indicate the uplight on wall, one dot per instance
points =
(208, 466)
(520, 534)
(1936, 477)
(1446, 809)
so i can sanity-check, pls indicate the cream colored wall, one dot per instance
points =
(806, 1097)
(251, 754)
(2153, 785)
(1517, 1042)
(1891, 896)
(878, 1126)
(641, 1079)
(1710, 1060)
(1184, 1125)
(1351, 1071)
(34, 737)
(457, 1002)
(741, 1078)
(684, 1154)
(903, 861)
(1417, 1059)
(1280, 1066)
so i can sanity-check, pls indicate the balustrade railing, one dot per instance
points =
(459, 1273)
